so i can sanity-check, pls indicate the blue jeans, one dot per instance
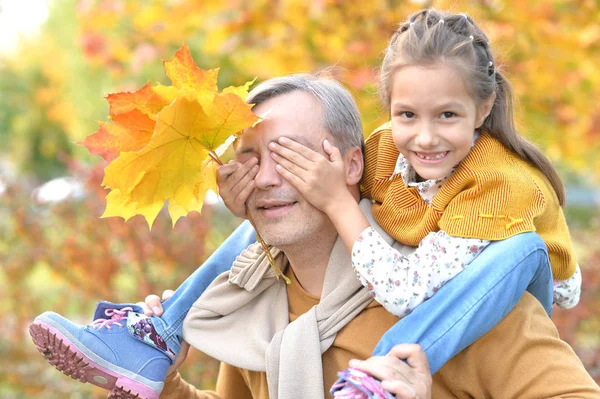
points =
(474, 301)
(169, 325)
(463, 310)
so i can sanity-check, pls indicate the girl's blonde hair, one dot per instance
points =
(430, 36)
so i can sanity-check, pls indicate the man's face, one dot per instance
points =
(281, 215)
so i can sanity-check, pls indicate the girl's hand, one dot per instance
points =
(236, 182)
(320, 179)
(404, 371)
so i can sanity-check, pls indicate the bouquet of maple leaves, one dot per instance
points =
(163, 142)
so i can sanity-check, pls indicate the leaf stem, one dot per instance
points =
(265, 246)
(215, 157)
(267, 249)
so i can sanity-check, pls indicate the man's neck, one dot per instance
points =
(309, 261)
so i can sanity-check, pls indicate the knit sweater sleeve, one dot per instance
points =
(400, 283)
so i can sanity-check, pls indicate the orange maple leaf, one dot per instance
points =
(130, 131)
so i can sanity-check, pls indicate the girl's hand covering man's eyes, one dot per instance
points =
(236, 182)
(321, 179)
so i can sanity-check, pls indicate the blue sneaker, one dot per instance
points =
(120, 351)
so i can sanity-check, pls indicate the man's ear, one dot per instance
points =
(354, 165)
(484, 110)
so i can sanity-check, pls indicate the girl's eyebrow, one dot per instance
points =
(451, 104)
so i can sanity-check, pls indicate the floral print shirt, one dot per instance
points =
(400, 283)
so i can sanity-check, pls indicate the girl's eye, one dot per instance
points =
(407, 115)
(447, 114)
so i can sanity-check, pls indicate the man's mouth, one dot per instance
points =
(431, 156)
(271, 209)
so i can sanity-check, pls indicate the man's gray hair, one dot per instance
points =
(340, 113)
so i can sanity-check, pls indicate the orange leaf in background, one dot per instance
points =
(131, 131)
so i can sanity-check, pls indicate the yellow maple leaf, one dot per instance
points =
(174, 165)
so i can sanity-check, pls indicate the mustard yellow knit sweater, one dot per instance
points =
(493, 194)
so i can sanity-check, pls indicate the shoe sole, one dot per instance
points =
(67, 358)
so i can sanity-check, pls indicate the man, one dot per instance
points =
(265, 332)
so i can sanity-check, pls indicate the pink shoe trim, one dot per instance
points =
(62, 354)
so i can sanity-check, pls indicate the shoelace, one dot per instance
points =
(116, 315)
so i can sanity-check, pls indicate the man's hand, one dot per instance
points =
(236, 182)
(153, 307)
(320, 179)
(404, 371)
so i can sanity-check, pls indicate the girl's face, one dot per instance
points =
(433, 117)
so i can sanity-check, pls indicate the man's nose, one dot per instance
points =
(267, 176)
(426, 137)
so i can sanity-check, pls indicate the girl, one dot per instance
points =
(442, 330)
(449, 173)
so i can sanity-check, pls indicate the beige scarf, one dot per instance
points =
(243, 319)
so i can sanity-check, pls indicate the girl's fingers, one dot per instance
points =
(243, 170)
(303, 150)
(291, 167)
(290, 155)
(242, 184)
(331, 150)
(224, 171)
(290, 177)
(245, 193)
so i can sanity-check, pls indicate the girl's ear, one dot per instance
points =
(484, 110)
(354, 166)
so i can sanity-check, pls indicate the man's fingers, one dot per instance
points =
(400, 389)
(180, 358)
(167, 294)
(413, 354)
(153, 303)
(147, 311)
(385, 368)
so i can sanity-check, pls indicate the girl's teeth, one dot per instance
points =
(438, 156)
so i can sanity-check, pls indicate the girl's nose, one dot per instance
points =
(426, 137)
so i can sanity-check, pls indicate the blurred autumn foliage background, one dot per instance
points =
(55, 251)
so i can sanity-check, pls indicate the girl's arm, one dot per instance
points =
(400, 283)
